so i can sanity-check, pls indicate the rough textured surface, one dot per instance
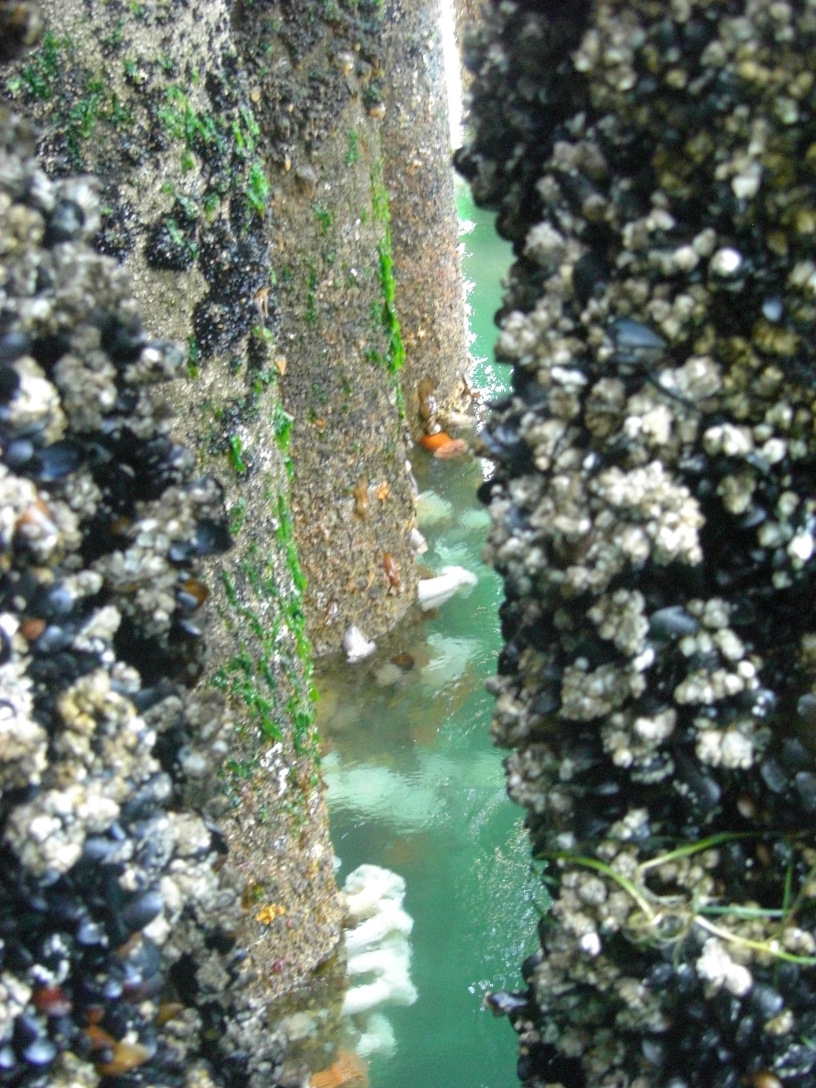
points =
(117, 915)
(427, 268)
(242, 161)
(240, 185)
(321, 84)
(156, 104)
(653, 516)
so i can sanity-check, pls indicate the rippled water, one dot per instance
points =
(414, 784)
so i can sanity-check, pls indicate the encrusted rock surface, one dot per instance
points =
(157, 104)
(654, 517)
(118, 958)
(424, 226)
(320, 73)
(238, 154)
(239, 148)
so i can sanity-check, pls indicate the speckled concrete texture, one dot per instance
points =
(424, 225)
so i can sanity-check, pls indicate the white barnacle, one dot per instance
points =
(773, 533)
(655, 729)
(774, 450)
(705, 241)
(517, 338)
(725, 748)
(686, 258)
(729, 644)
(716, 967)
(803, 277)
(707, 688)
(800, 548)
(786, 504)
(737, 750)
(591, 890)
(746, 184)
(736, 491)
(714, 613)
(591, 943)
(545, 245)
(697, 378)
(620, 618)
(726, 262)
(728, 439)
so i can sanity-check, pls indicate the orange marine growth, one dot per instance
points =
(126, 1056)
(452, 448)
(348, 1069)
(434, 441)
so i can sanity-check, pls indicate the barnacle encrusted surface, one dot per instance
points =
(117, 914)
(654, 516)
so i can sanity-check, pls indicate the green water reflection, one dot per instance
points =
(415, 785)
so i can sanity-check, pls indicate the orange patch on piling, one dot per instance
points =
(348, 1069)
(434, 441)
(452, 448)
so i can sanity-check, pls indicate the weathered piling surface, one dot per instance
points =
(653, 516)
(424, 227)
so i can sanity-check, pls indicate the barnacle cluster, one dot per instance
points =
(118, 962)
(654, 518)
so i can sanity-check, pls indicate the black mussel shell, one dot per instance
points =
(57, 461)
(64, 224)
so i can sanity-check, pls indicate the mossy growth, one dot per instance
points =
(237, 516)
(238, 455)
(215, 137)
(390, 322)
(196, 130)
(269, 676)
(96, 116)
(395, 357)
(324, 218)
(42, 75)
(257, 190)
(78, 99)
(193, 356)
(264, 676)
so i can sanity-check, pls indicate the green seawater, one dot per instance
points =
(414, 784)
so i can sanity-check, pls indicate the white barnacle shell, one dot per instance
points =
(717, 967)
(545, 245)
(357, 647)
(726, 262)
(431, 592)
(729, 439)
(746, 184)
(801, 547)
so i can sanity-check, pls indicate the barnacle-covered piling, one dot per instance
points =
(654, 516)
(118, 916)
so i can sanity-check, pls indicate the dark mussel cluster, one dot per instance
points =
(654, 518)
(118, 963)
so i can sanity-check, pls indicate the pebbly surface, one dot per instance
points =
(118, 960)
(430, 290)
(654, 518)
(160, 106)
(369, 299)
